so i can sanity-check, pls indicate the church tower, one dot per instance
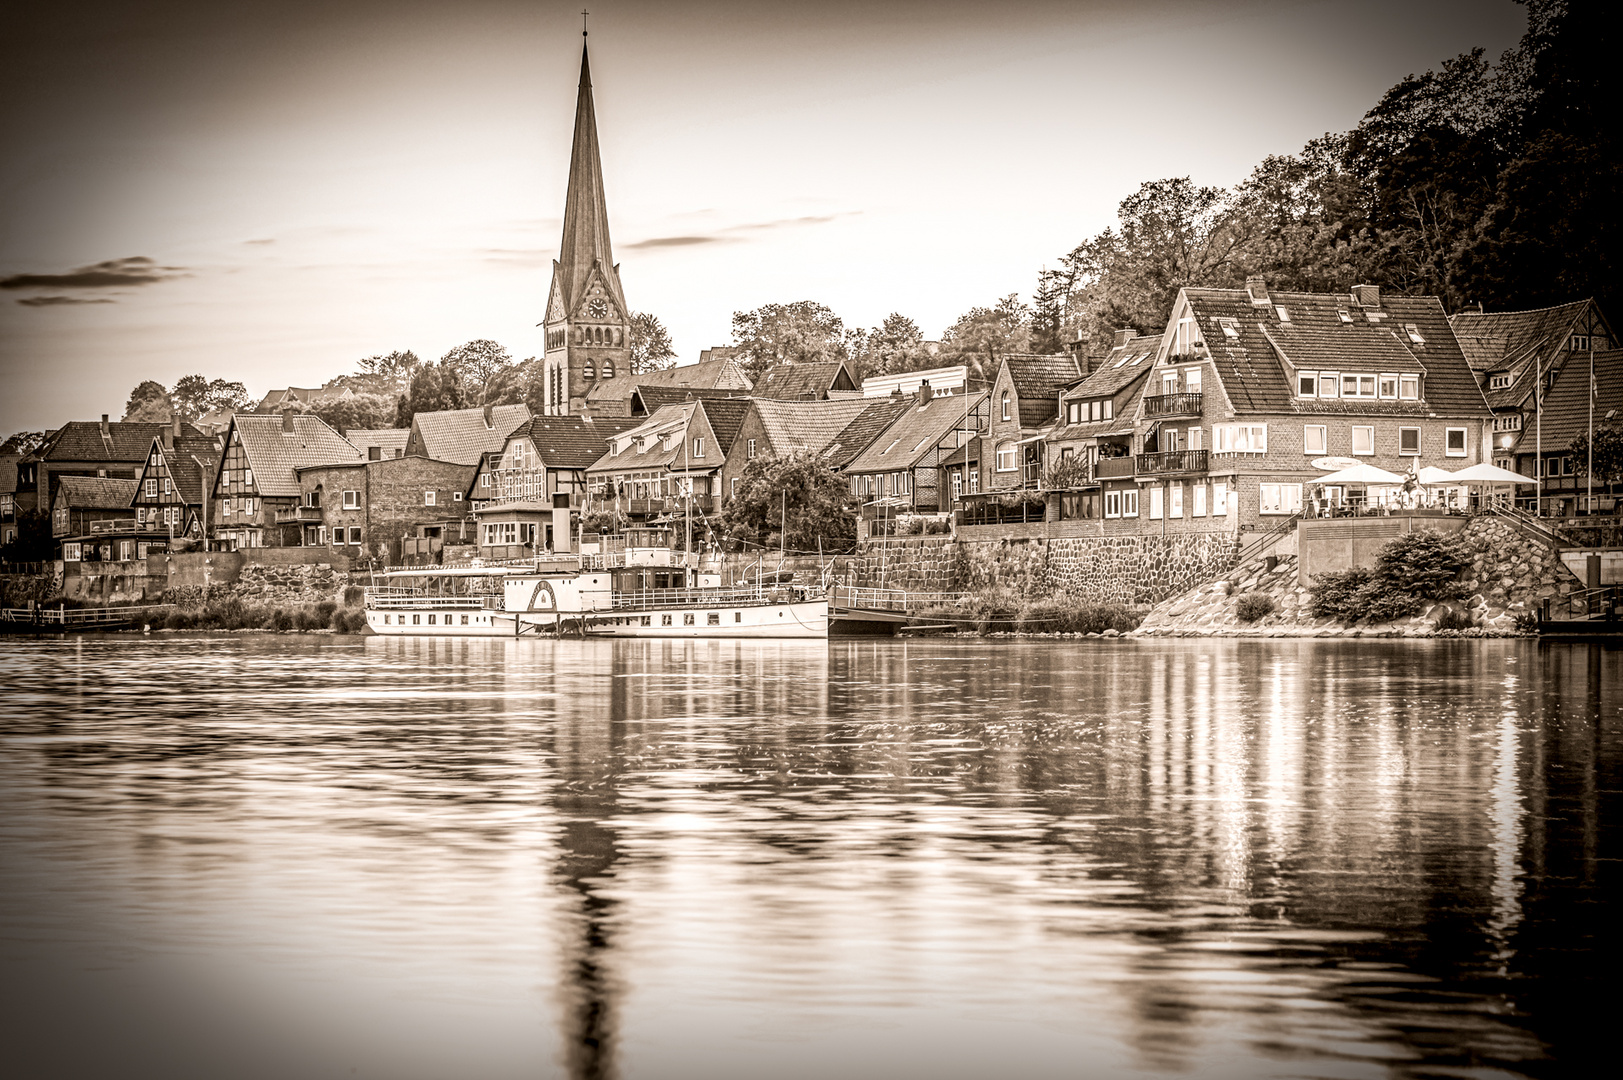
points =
(588, 326)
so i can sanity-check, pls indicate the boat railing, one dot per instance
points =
(651, 599)
(378, 599)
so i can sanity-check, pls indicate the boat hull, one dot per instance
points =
(406, 622)
(803, 619)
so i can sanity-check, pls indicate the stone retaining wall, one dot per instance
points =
(1129, 570)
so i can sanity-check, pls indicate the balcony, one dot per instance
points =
(295, 514)
(1172, 463)
(1161, 406)
(114, 525)
(1113, 468)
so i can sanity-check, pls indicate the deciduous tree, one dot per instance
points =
(1608, 453)
(804, 332)
(651, 348)
(148, 403)
(980, 334)
(477, 364)
(796, 494)
(434, 388)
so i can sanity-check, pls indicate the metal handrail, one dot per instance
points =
(653, 599)
(1187, 404)
(1171, 461)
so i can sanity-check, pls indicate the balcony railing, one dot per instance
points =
(1168, 462)
(1113, 468)
(1161, 405)
(292, 514)
(114, 525)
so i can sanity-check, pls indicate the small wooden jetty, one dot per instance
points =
(43, 620)
(1589, 613)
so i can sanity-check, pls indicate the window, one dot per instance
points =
(1199, 509)
(1454, 442)
(1110, 408)
(1156, 498)
(1129, 503)
(1197, 439)
(1389, 387)
(1357, 386)
(456, 496)
(590, 371)
(352, 500)
(1343, 315)
(1175, 500)
(248, 476)
(416, 619)
(1409, 387)
(72, 553)
(687, 619)
(429, 497)
(355, 534)
(151, 489)
(1284, 316)
(1409, 440)
(738, 616)
(1240, 438)
(1112, 504)
(225, 506)
(749, 449)
(1414, 333)
(664, 620)
(1580, 342)
(698, 447)
(1307, 384)
(1005, 457)
(484, 480)
(1220, 498)
(1005, 404)
(974, 481)
(431, 619)
(1073, 412)
(464, 620)
(1363, 439)
(1499, 381)
(608, 369)
(1191, 380)
(1512, 422)
(713, 619)
(1279, 498)
(1328, 382)
(1315, 440)
(1230, 327)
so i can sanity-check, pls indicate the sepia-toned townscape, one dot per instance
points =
(1205, 666)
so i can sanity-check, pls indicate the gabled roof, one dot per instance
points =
(716, 374)
(1126, 362)
(8, 473)
(185, 460)
(803, 382)
(95, 493)
(805, 425)
(652, 397)
(726, 416)
(274, 453)
(668, 420)
(387, 439)
(461, 435)
(1566, 405)
(1516, 342)
(916, 432)
(572, 442)
(81, 440)
(861, 432)
(1038, 380)
(1251, 364)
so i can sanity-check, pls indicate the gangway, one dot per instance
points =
(856, 609)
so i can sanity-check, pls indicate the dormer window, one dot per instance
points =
(1499, 380)
(1409, 387)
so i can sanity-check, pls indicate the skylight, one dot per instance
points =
(1343, 315)
(1284, 316)
(1230, 329)
(1139, 359)
(1414, 333)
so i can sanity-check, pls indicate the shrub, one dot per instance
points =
(178, 620)
(1379, 601)
(1335, 594)
(354, 595)
(324, 611)
(309, 619)
(1253, 605)
(1425, 564)
(1452, 618)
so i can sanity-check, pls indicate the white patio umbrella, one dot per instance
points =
(1489, 474)
(1360, 474)
(1432, 476)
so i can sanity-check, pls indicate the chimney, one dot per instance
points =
(1123, 336)
(925, 393)
(1256, 287)
(287, 421)
(490, 417)
(897, 393)
(1368, 296)
(106, 432)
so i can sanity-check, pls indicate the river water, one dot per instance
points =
(287, 856)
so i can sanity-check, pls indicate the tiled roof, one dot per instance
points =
(1092, 429)
(1566, 405)
(573, 442)
(970, 451)
(1038, 379)
(273, 454)
(860, 433)
(183, 459)
(8, 473)
(81, 440)
(461, 436)
(667, 420)
(1254, 379)
(915, 432)
(1124, 363)
(388, 439)
(800, 382)
(95, 493)
(726, 416)
(1515, 341)
(805, 425)
(715, 374)
(653, 397)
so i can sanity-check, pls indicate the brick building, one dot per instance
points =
(256, 500)
(1025, 402)
(367, 508)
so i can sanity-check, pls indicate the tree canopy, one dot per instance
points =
(796, 494)
(804, 332)
(651, 348)
(982, 333)
(191, 397)
(477, 365)
(398, 365)
(1608, 453)
(434, 388)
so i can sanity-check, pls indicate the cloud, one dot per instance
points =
(53, 301)
(728, 234)
(262, 240)
(113, 273)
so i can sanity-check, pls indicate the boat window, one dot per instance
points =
(687, 620)
(664, 620)
(648, 620)
(738, 616)
(431, 620)
(464, 620)
(415, 619)
(386, 620)
(715, 618)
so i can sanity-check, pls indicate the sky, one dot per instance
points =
(269, 192)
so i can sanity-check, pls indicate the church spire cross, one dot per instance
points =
(583, 15)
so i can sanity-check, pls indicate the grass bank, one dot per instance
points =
(1003, 611)
(234, 614)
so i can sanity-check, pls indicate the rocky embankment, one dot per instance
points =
(1508, 576)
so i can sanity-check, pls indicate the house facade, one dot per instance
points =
(367, 508)
(1025, 402)
(109, 449)
(902, 468)
(92, 521)
(1095, 429)
(546, 458)
(668, 462)
(773, 428)
(464, 435)
(806, 382)
(169, 492)
(256, 498)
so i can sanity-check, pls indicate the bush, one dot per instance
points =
(1426, 564)
(324, 611)
(178, 620)
(1253, 605)
(354, 595)
(1379, 601)
(1335, 595)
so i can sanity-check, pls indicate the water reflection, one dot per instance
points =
(665, 858)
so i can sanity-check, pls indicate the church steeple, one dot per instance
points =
(588, 325)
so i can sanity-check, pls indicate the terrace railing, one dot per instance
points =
(1170, 462)
(1164, 405)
